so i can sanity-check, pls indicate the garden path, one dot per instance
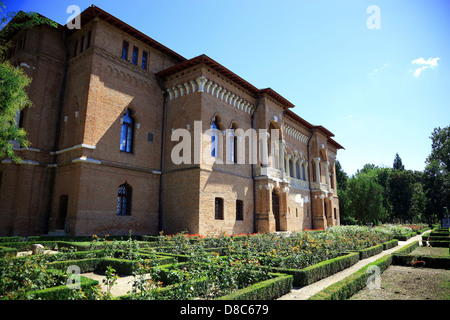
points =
(304, 293)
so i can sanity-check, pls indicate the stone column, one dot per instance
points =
(281, 157)
(317, 161)
(264, 151)
(301, 169)
(294, 167)
(288, 174)
(305, 166)
(327, 174)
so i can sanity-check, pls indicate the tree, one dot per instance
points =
(400, 193)
(13, 81)
(398, 165)
(366, 196)
(344, 200)
(436, 176)
(341, 176)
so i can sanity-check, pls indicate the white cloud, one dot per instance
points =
(425, 64)
(379, 69)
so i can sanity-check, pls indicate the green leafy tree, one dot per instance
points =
(436, 177)
(398, 165)
(366, 196)
(400, 193)
(13, 81)
(344, 199)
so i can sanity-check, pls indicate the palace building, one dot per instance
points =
(107, 100)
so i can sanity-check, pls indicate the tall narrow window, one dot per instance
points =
(218, 206)
(75, 50)
(88, 42)
(82, 44)
(21, 118)
(232, 153)
(215, 139)
(125, 51)
(239, 210)
(135, 56)
(124, 200)
(144, 60)
(127, 132)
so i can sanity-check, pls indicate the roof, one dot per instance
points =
(92, 11)
(214, 65)
(335, 144)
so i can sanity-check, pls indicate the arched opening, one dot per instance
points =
(124, 200)
(215, 139)
(62, 212)
(276, 210)
(273, 144)
(127, 132)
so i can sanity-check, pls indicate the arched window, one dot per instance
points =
(215, 138)
(127, 132)
(124, 200)
(232, 152)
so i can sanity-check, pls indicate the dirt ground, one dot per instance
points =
(408, 283)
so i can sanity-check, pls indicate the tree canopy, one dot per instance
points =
(13, 81)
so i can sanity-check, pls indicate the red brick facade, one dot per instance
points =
(85, 174)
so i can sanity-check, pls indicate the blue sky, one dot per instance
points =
(380, 91)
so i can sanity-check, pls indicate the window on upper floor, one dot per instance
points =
(127, 132)
(215, 138)
(144, 60)
(82, 44)
(125, 50)
(135, 56)
(88, 42)
(75, 50)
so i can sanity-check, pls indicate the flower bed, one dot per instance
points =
(214, 267)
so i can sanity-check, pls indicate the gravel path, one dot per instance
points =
(304, 293)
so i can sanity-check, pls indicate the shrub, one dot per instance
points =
(311, 274)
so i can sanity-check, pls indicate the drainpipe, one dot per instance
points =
(309, 180)
(163, 139)
(57, 133)
(253, 167)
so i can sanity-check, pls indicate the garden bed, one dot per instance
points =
(181, 266)
(408, 283)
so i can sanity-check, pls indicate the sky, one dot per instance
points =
(375, 73)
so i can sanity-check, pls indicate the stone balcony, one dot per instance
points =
(297, 183)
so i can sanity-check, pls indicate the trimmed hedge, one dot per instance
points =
(407, 249)
(316, 272)
(390, 244)
(62, 292)
(405, 237)
(122, 266)
(12, 239)
(265, 290)
(5, 250)
(434, 262)
(347, 287)
(368, 252)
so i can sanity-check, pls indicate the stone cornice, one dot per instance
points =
(205, 85)
(296, 134)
